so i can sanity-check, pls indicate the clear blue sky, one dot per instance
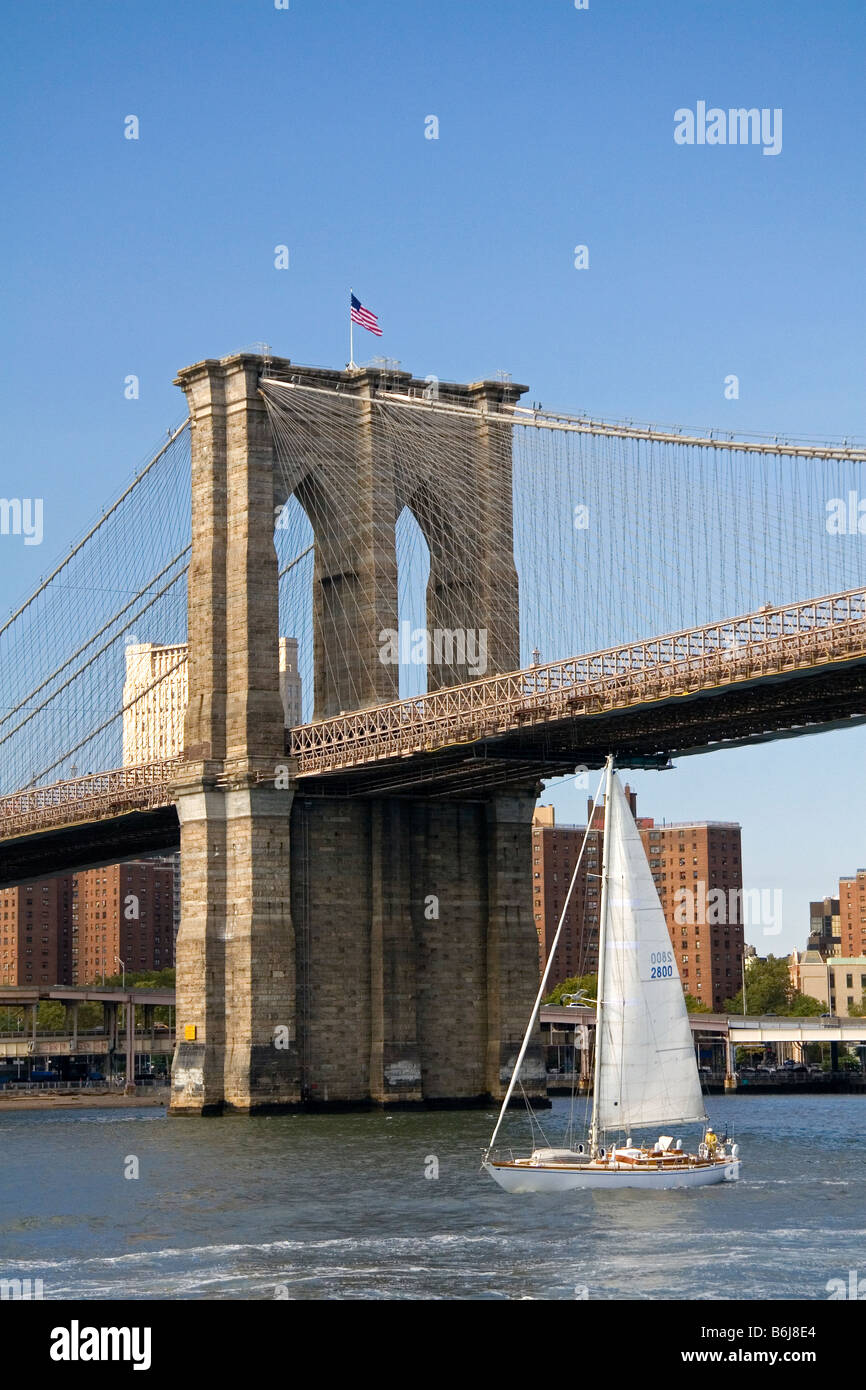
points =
(306, 127)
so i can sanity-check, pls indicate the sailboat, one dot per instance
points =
(645, 1072)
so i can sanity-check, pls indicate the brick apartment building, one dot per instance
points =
(34, 949)
(124, 912)
(833, 966)
(852, 915)
(72, 929)
(690, 863)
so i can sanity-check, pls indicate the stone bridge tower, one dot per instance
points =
(340, 950)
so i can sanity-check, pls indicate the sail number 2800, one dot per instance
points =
(661, 965)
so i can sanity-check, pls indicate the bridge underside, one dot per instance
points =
(767, 708)
(74, 848)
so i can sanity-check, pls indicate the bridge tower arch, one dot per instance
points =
(333, 949)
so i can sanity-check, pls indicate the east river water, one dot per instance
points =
(339, 1207)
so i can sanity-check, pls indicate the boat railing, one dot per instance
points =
(499, 1155)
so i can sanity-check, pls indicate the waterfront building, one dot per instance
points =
(154, 702)
(291, 688)
(123, 912)
(838, 981)
(697, 869)
(852, 914)
(824, 927)
(74, 928)
(174, 861)
(155, 696)
(837, 925)
(30, 933)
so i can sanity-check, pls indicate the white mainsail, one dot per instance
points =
(647, 1071)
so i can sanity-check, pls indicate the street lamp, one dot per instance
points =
(744, 975)
(123, 969)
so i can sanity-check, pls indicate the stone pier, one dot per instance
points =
(338, 951)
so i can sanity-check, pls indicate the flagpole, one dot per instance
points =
(351, 340)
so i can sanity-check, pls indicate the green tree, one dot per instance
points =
(696, 1006)
(50, 1017)
(138, 979)
(573, 985)
(802, 1004)
(769, 991)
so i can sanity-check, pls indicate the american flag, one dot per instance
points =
(365, 317)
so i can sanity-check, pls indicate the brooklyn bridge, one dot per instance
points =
(484, 594)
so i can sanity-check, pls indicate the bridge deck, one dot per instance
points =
(762, 675)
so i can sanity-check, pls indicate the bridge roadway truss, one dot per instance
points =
(773, 674)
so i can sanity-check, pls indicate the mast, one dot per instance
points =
(540, 995)
(602, 934)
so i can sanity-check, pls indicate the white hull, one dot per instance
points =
(529, 1177)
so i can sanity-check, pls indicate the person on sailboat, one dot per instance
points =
(711, 1141)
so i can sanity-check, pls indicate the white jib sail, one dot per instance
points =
(648, 1073)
